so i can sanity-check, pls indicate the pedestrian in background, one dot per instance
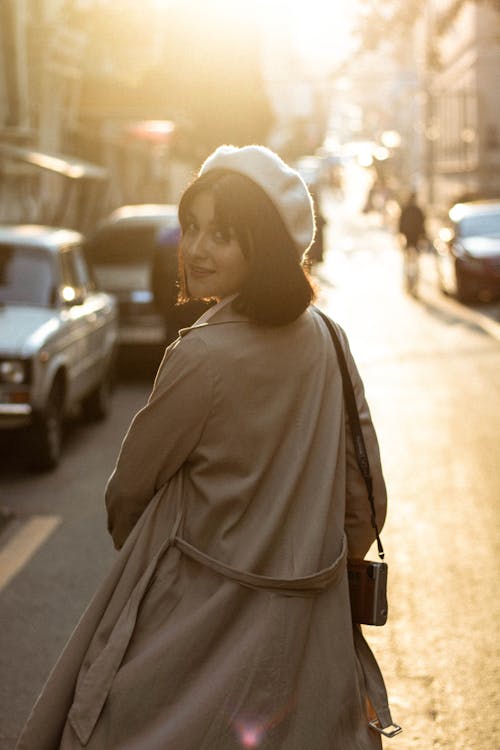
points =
(412, 230)
(225, 621)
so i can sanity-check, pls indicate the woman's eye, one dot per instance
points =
(190, 228)
(221, 236)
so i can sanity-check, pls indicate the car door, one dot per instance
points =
(102, 320)
(77, 350)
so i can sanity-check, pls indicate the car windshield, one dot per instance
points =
(26, 276)
(123, 245)
(123, 258)
(484, 225)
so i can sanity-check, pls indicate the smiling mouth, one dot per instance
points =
(199, 272)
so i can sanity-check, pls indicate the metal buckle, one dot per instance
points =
(390, 731)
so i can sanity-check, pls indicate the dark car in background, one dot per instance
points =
(467, 251)
(133, 254)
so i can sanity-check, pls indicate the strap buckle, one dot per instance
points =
(390, 731)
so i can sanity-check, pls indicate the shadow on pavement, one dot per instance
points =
(14, 452)
(448, 317)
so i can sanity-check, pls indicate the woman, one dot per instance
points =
(225, 622)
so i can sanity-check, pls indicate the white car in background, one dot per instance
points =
(133, 255)
(58, 337)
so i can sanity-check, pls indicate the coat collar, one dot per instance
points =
(221, 313)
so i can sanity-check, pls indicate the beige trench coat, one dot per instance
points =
(225, 620)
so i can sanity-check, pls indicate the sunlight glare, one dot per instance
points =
(321, 30)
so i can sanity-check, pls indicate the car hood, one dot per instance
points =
(25, 329)
(481, 247)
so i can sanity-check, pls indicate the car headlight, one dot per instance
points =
(13, 371)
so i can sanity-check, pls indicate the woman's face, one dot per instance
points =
(214, 264)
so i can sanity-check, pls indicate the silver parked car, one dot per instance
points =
(58, 336)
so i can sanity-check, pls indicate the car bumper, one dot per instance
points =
(141, 335)
(487, 269)
(485, 276)
(16, 406)
(145, 328)
(15, 415)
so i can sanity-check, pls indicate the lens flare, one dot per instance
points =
(249, 735)
(251, 728)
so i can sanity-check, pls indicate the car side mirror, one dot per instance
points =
(71, 296)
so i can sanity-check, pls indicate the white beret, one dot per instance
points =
(283, 185)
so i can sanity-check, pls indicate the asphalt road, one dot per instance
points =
(432, 374)
(431, 369)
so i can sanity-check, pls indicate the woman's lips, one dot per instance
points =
(199, 272)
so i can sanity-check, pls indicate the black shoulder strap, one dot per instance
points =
(357, 434)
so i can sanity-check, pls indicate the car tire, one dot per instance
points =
(97, 405)
(47, 433)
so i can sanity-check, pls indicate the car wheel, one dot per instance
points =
(97, 405)
(47, 433)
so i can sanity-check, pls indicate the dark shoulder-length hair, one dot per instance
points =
(277, 288)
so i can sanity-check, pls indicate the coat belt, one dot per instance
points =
(93, 688)
(302, 586)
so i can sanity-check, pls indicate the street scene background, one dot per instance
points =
(431, 370)
(105, 104)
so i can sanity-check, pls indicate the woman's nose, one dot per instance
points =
(198, 246)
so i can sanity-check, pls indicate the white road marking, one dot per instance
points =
(21, 547)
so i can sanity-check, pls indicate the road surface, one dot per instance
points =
(432, 374)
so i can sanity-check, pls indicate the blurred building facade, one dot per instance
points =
(300, 98)
(96, 109)
(41, 179)
(68, 148)
(381, 98)
(462, 112)
(438, 93)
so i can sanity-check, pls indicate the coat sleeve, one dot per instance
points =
(358, 528)
(161, 436)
